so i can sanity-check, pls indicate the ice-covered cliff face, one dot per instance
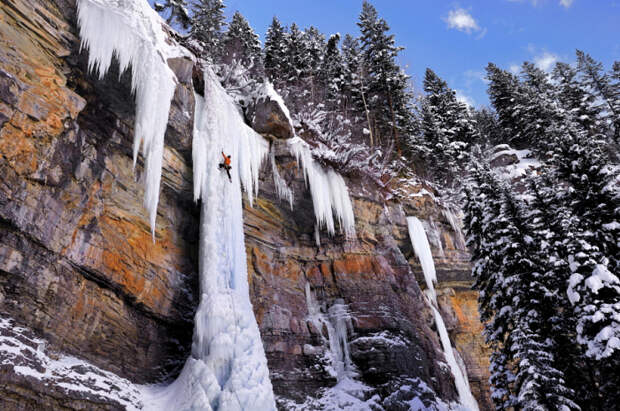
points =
(79, 270)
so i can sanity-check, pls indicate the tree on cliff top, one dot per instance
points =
(178, 12)
(207, 23)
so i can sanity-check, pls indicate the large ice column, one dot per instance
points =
(330, 195)
(423, 251)
(131, 31)
(227, 369)
(422, 248)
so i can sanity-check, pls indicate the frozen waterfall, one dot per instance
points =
(423, 251)
(227, 369)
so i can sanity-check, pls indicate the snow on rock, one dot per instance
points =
(131, 31)
(330, 195)
(524, 163)
(28, 356)
(423, 251)
(227, 369)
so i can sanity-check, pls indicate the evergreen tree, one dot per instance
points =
(314, 44)
(207, 23)
(388, 95)
(592, 198)
(241, 43)
(518, 299)
(573, 98)
(297, 64)
(275, 51)
(527, 109)
(178, 12)
(506, 97)
(600, 84)
(352, 87)
(447, 127)
(331, 74)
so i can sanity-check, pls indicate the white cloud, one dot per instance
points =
(514, 68)
(475, 75)
(546, 61)
(460, 97)
(461, 20)
(566, 3)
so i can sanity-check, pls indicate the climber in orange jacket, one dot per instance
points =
(225, 164)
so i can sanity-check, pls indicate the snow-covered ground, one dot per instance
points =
(29, 357)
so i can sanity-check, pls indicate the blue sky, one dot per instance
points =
(458, 39)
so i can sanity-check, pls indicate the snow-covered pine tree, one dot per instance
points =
(516, 296)
(388, 92)
(296, 68)
(573, 98)
(240, 42)
(207, 24)
(314, 44)
(275, 52)
(505, 95)
(529, 338)
(353, 88)
(592, 196)
(177, 12)
(483, 224)
(331, 74)
(550, 220)
(447, 127)
(600, 84)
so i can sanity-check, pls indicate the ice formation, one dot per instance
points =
(422, 248)
(454, 222)
(283, 191)
(227, 369)
(131, 31)
(330, 195)
(348, 393)
(423, 251)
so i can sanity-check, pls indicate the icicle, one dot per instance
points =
(460, 377)
(283, 191)
(423, 251)
(337, 322)
(454, 222)
(434, 236)
(131, 31)
(330, 195)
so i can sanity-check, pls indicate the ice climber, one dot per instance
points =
(226, 165)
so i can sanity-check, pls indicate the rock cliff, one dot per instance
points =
(81, 277)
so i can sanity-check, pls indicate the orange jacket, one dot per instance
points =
(226, 159)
